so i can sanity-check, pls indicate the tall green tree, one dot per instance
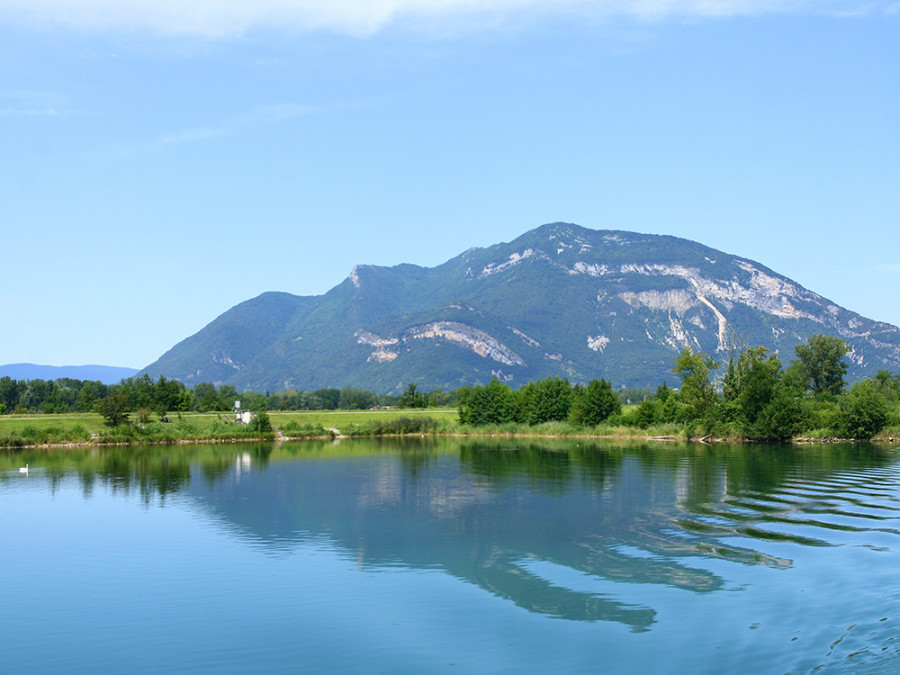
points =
(547, 400)
(595, 404)
(751, 383)
(758, 400)
(207, 399)
(36, 395)
(354, 398)
(493, 403)
(168, 395)
(114, 409)
(227, 395)
(697, 392)
(91, 391)
(888, 385)
(525, 402)
(412, 398)
(820, 361)
(9, 392)
(328, 398)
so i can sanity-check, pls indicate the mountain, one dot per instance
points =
(559, 300)
(30, 371)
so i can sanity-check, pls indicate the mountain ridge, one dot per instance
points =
(33, 371)
(558, 300)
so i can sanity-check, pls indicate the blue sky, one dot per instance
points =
(164, 160)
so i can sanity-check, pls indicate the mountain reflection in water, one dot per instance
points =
(487, 513)
(449, 555)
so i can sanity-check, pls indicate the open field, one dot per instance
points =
(343, 419)
(92, 422)
(19, 430)
(31, 430)
(326, 418)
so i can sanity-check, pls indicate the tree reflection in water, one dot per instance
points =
(517, 519)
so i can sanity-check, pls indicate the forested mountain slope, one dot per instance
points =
(559, 300)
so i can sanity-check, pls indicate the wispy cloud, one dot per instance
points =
(234, 125)
(29, 112)
(217, 18)
(890, 267)
(34, 104)
(258, 117)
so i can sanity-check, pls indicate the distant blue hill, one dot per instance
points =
(30, 371)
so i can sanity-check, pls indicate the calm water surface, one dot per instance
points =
(448, 556)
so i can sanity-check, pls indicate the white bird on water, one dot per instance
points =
(23, 469)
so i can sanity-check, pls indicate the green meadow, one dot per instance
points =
(345, 420)
(41, 429)
(89, 428)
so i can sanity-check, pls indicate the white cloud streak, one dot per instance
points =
(223, 18)
(258, 117)
(243, 123)
(34, 104)
(30, 112)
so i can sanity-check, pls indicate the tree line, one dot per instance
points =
(550, 400)
(756, 398)
(761, 399)
(164, 396)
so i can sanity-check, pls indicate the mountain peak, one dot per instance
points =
(354, 276)
(559, 300)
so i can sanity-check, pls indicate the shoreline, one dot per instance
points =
(278, 438)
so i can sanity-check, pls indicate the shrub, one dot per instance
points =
(260, 423)
(294, 428)
(780, 419)
(396, 426)
(80, 433)
(862, 413)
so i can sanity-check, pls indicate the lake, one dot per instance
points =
(442, 555)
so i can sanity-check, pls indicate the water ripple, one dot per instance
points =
(807, 511)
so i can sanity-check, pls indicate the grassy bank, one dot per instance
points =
(89, 428)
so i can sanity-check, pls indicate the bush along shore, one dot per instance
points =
(752, 398)
(51, 435)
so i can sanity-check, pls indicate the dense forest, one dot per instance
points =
(753, 397)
